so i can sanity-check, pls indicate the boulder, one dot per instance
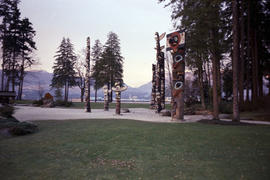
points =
(125, 110)
(48, 100)
(165, 113)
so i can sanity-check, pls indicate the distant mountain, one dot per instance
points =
(142, 92)
(35, 80)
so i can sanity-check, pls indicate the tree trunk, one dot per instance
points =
(242, 55)
(209, 83)
(254, 68)
(8, 83)
(95, 95)
(249, 58)
(215, 81)
(200, 81)
(67, 90)
(218, 81)
(260, 83)
(235, 60)
(20, 86)
(82, 94)
(2, 77)
(13, 72)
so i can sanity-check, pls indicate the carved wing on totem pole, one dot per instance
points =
(118, 88)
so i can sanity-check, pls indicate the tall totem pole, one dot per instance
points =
(153, 98)
(176, 43)
(87, 93)
(160, 74)
(118, 89)
(106, 97)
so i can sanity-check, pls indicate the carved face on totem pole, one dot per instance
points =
(175, 42)
(105, 90)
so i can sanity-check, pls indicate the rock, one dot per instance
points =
(48, 100)
(189, 111)
(165, 113)
(125, 110)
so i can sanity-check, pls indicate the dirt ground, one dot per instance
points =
(29, 113)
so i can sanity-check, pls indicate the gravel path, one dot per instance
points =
(28, 113)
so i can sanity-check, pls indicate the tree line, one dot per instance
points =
(17, 40)
(69, 69)
(227, 48)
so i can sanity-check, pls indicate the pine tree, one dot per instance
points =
(63, 69)
(96, 56)
(28, 45)
(109, 68)
(206, 27)
(17, 45)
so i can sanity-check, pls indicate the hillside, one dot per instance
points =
(35, 80)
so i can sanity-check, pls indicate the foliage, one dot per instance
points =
(58, 93)
(109, 68)
(17, 128)
(226, 107)
(97, 51)
(125, 149)
(63, 69)
(38, 102)
(63, 103)
(80, 67)
(228, 82)
(6, 111)
(17, 36)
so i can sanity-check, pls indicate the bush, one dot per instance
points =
(23, 128)
(226, 107)
(38, 102)
(63, 103)
(16, 127)
(6, 111)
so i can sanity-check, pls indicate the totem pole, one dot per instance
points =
(87, 89)
(160, 74)
(106, 97)
(118, 89)
(176, 43)
(153, 97)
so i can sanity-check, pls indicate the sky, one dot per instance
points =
(134, 21)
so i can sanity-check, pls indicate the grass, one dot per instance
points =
(123, 149)
(24, 101)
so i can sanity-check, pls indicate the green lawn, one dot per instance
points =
(124, 149)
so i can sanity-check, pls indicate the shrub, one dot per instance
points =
(23, 128)
(226, 107)
(6, 111)
(63, 103)
(16, 127)
(38, 102)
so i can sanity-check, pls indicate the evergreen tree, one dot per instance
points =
(96, 56)
(206, 24)
(63, 69)
(109, 68)
(28, 45)
(17, 45)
